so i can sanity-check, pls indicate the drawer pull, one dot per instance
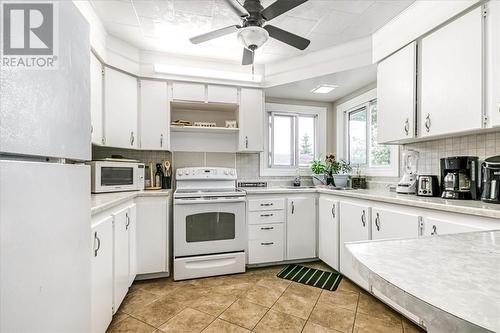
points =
(270, 243)
(266, 215)
(266, 204)
(267, 228)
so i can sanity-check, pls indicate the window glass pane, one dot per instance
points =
(306, 140)
(283, 142)
(380, 155)
(357, 137)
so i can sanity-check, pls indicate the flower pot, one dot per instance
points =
(318, 180)
(341, 180)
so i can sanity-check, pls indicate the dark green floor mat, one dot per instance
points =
(311, 277)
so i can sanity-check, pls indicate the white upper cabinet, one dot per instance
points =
(493, 62)
(393, 224)
(251, 120)
(301, 228)
(155, 115)
(328, 233)
(120, 109)
(222, 94)
(96, 85)
(396, 89)
(451, 85)
(185, 91)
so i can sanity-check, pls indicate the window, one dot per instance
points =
(296, 136)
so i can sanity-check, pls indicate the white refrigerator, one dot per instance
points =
(45, 242)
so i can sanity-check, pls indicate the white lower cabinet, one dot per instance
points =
(393, 224)
(435, 226)
(132, 243)
(354, 226)
(102, 275)
(265, 243)
(301, 227)
(328, 231)
(120, 257)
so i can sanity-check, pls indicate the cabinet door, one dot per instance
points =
(451, 82)
(102, 275)
(120, 256)
(433, 226)
(493, 62)
(132, 243)
(393, 224)
(222, 94)
(96, 115)
(354, 226)
(184, 91)
(155, 115)
(328, 233)
(301, 228)
(251, 120)
(120, 109)
(152, 235)
(396, 88)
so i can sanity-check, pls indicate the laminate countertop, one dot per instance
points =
(100, 202)
(471, 207)
(451, 282)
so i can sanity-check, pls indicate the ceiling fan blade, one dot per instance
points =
(287, 37)
(214, 34)
(237, 8)
(247, 57)
(279, 7)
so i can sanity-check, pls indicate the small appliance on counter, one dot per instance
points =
(490, 172)
(459, 177)
(116, 175)
(408, 183)
(428, 186)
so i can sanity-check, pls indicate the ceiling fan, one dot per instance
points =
(252, 33)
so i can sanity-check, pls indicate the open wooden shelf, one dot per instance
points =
(200, 129)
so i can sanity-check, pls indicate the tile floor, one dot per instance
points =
(255, 301)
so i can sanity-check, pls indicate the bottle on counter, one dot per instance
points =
(158, 176)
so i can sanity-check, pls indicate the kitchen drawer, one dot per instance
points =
(266, 232)
(265, 251)
(266, 204)
(269, 216)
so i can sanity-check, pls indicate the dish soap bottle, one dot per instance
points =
(158, 176)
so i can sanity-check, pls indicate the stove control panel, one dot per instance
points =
(214, 173)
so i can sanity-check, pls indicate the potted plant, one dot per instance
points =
(337, 171)
(318, 170)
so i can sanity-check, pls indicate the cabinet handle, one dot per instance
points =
(246, 142)
(161, 140)
(428, 122)
(363, 218)
(377, 222)
(267, 228)
(132, 138)
(128, 221)
(407, 126)
(266, 204)
(266, 215)
(434, 230)
(293, 208)
(270, 243)
(98, 244)
(333, 210)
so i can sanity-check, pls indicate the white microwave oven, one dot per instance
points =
(112, 176)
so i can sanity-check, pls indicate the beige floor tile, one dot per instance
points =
(118, 316)
(188, 320)
(343, 299)
(333, 317)
(137, 299)
(130, 325)
(244, 314)
(297, 300)
(188, 293)
(221, 326)
(368, 324)
(348, 285)
(277, 322)
(409, 327)
(213, 303)
(233, 289)
(371, 306)
(160, 287)
(262, 295)
(158, 312)
(274, 282)
(315, 328)
(318, 265)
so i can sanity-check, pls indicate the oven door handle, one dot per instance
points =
(208, 201)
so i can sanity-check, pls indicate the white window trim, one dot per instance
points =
(341, 114)
(320, 138)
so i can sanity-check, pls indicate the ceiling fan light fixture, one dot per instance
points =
(253, 37)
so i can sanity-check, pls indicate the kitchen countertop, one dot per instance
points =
(452, 282)
(471, 207)
(102, 201)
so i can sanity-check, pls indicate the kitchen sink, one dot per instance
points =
(297, 187)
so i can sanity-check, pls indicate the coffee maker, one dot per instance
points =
(490, 172)
(459, 177)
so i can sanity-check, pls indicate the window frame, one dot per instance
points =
(319, 113)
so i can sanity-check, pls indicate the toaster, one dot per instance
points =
(428, 186)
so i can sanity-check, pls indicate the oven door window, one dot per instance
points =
(210, 226)
(112, 176)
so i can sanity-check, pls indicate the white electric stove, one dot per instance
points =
(209, 223)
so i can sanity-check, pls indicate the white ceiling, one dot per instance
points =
(347, 82)
(167, 25)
